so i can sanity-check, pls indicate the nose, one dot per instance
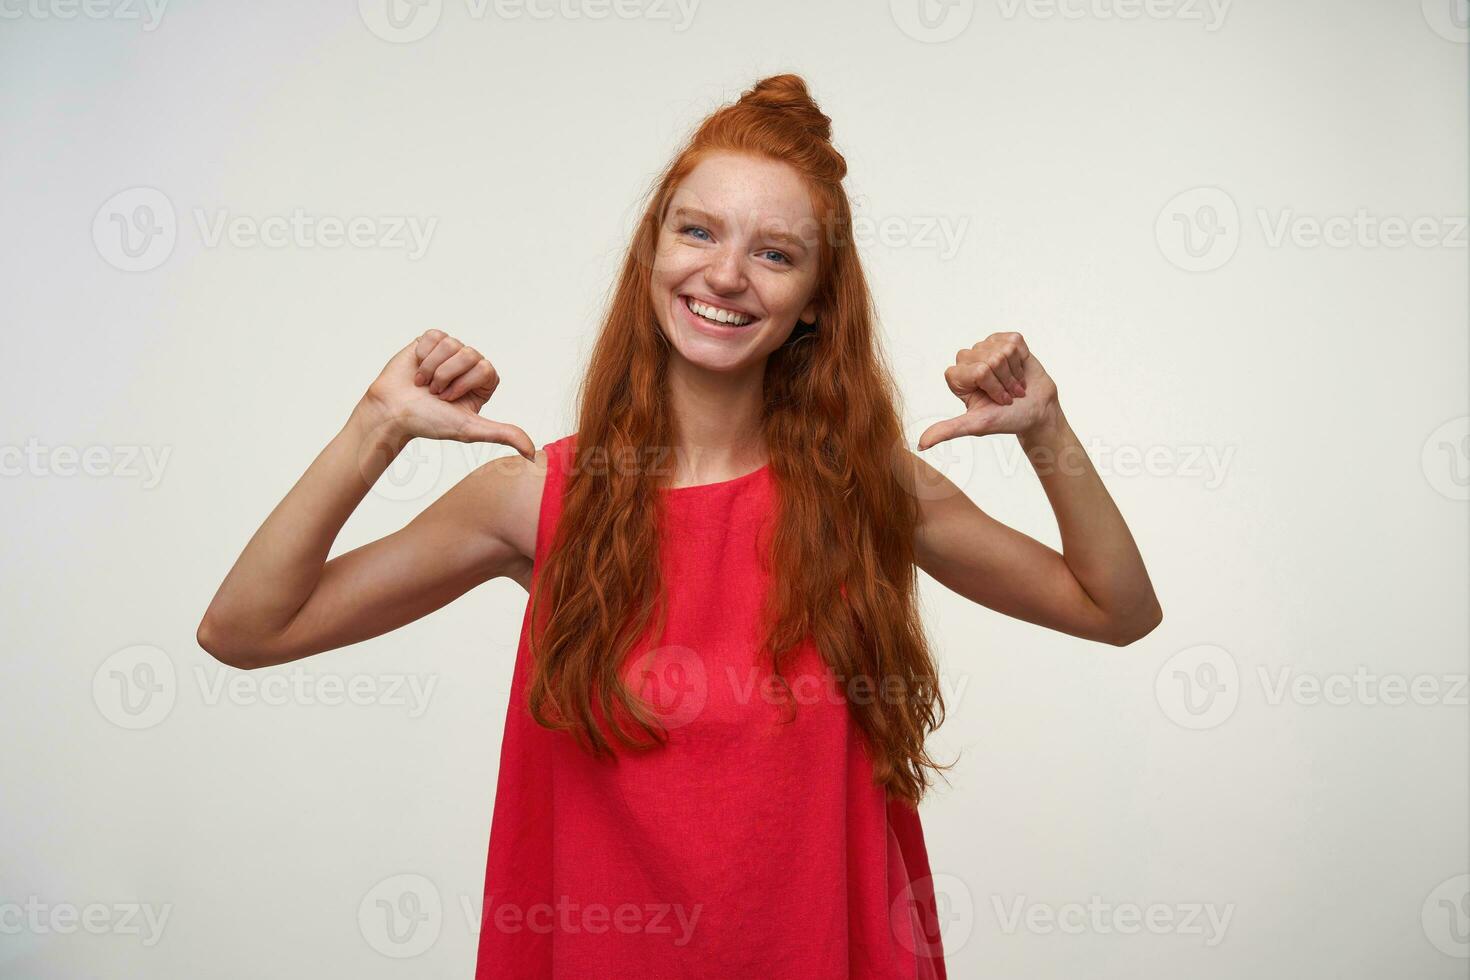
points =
(726, 271)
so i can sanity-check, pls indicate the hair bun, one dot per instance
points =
(788, 94)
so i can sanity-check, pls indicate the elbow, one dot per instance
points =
(1137, 628)
(217, 641)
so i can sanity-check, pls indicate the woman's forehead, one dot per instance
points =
(747, 194)
(731, 185)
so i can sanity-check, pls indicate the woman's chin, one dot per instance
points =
(712, 353)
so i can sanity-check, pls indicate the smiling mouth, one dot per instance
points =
(716, 316)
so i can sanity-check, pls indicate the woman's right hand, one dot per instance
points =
(435, 388)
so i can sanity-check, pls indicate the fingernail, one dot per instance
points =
(418, 378)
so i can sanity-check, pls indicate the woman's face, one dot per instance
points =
(740, 241)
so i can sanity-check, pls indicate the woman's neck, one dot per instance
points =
(716, 422)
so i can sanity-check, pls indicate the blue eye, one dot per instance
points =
(780, 256)
(689, 228)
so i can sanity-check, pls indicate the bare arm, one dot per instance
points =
(1097, 588)
(283, 600)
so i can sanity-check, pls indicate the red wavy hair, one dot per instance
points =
(843, 540)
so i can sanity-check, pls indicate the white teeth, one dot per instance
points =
(718, 315)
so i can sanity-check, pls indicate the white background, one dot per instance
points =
(1298, 411)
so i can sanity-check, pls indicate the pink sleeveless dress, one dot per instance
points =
(745, 848)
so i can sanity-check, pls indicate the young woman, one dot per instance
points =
(715, 740)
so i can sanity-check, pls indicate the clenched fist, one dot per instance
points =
(435, 388)
(1004, 388)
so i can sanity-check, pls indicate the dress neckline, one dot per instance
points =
(733, 481)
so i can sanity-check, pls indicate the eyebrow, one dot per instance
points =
(695, 214)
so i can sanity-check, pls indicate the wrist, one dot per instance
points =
(376, 428)
(1048, 425)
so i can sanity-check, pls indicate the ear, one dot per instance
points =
(809, 314)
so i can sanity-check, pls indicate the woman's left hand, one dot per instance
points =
(1004, 388)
